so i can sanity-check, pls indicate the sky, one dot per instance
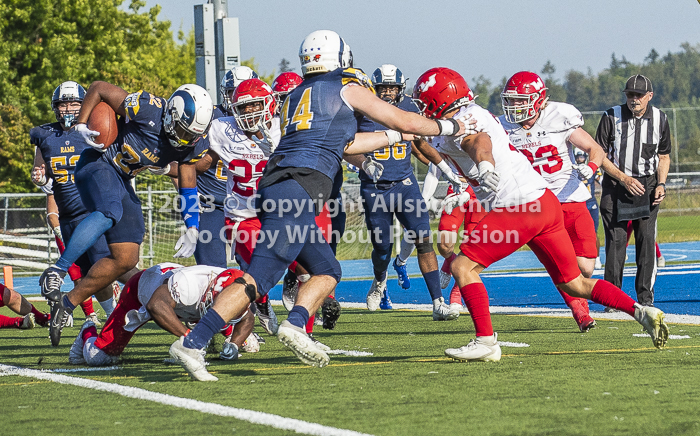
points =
(493, 39)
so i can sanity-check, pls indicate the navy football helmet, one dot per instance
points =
(385, 80)
(233, 77)
(188, 115)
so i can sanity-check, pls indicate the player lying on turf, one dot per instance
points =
(168, 294)
(521, 211)
(319, 120)
(18, 304)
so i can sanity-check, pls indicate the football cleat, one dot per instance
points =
(306, 350)
(267, 317)
(652, 319)
(404, 280)
(60, 317)
(483, 348)
(443, 312)
(50, 282)
(229, 350)
(580, 311)
(93, 317)
(251, 344)
(290, 288)
(330, 309)
(75, 354)
(28, 322)
(456, 307)
(445, 279)
(319, 344)
(660, 262)
(192, 360)
(259, 338)
(385, 304)
(374, 296)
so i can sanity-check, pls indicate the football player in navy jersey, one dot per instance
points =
(211, 184)
(59, 148)
(389, 188)
(319, 121)
(152, 133)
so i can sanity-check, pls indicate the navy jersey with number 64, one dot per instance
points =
(142, 141)
(61, 151)
(316, 123)
(396, 158)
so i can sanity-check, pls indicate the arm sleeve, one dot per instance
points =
(431, 181)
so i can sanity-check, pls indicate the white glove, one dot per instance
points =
(451, 176)
(89, 136)
(471, 125)
(187, 243)
(159, 171)
(373, 168)
(455, 200)
(585, 171)
(39, 175)
(488, 177)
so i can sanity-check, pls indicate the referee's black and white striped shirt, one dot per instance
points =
(634, 144)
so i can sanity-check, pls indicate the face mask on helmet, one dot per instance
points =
(390, 83)
(523, 97)
(323, 51)
(581, 157)
(187, 115)
(234, 77)
(253, 105)
(216, 285)
(66, 102)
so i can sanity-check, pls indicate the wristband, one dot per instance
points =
(661, 184)
(593, 166)
(393, 136)
(190, 210)
(442, 166)
(447, 127)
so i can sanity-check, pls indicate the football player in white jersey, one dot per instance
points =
(168, 294)
(521, 211)
(546, 133)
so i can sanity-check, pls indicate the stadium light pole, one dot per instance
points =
(217, 45)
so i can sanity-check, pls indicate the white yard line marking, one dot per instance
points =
(99, 368)
(254, 417)
(513, 344)
(646, 335)
(352, 353)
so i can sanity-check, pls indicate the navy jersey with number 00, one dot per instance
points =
(212, 182)
(61, 151)
(141, 141)
(395, 158)
(316, 124)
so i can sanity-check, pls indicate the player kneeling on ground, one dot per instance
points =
(521, 211)
(169, 294)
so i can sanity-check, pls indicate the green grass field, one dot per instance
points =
(605, 382)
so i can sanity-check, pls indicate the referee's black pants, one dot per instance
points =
(616, 241)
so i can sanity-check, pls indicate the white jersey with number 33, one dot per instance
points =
(546, 145)
(244, 160)
(519, 183)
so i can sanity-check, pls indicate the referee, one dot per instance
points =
(636, 139)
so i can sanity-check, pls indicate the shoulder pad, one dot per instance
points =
(39, 133)
(356, 75)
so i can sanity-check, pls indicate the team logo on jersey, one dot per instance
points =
(424, 86)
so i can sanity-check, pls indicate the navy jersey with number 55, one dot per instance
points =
(61, 151)
(395, 158)
(317, 124)
(142, 141)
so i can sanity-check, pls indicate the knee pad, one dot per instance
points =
(95, 356)
(424, 247)
(250, 290)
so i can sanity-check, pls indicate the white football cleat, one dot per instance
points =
(251, 344)
(306, 350)
(443, 312)
(660, 262)
(75, 354)
(319, 344)
(93, 317)
(192, 360)
(483, 348)
(456, 307)
(652, 319)
(374, 296)
(267, 317)
(28, 322)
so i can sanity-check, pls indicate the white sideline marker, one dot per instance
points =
(254, 417)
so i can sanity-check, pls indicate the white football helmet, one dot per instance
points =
(323, 51)
(388, 75)
(230, 81)
(67, 92)
(187, 115)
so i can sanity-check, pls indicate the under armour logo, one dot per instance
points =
(425, 85)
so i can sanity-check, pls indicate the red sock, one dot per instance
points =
(2, 292)
(228, 331)
(262, 300)
(6, 321)
(477, 301)
(74, 272)
(40, 317)
(331, 296)
(609, 295)
(447, 263)
(310, 324)
(87, 306)
(90, 332)
(658, 252)
(455, 295)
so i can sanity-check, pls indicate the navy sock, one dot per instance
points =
(67, 304)
(85, 235)
(379, 275)
(205, 329)
(298, 316)
(432, 280)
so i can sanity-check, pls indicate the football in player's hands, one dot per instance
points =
(103, 119)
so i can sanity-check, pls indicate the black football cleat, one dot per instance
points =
(59, 317)
(330, 309)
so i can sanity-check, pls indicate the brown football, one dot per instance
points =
(104, 120)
